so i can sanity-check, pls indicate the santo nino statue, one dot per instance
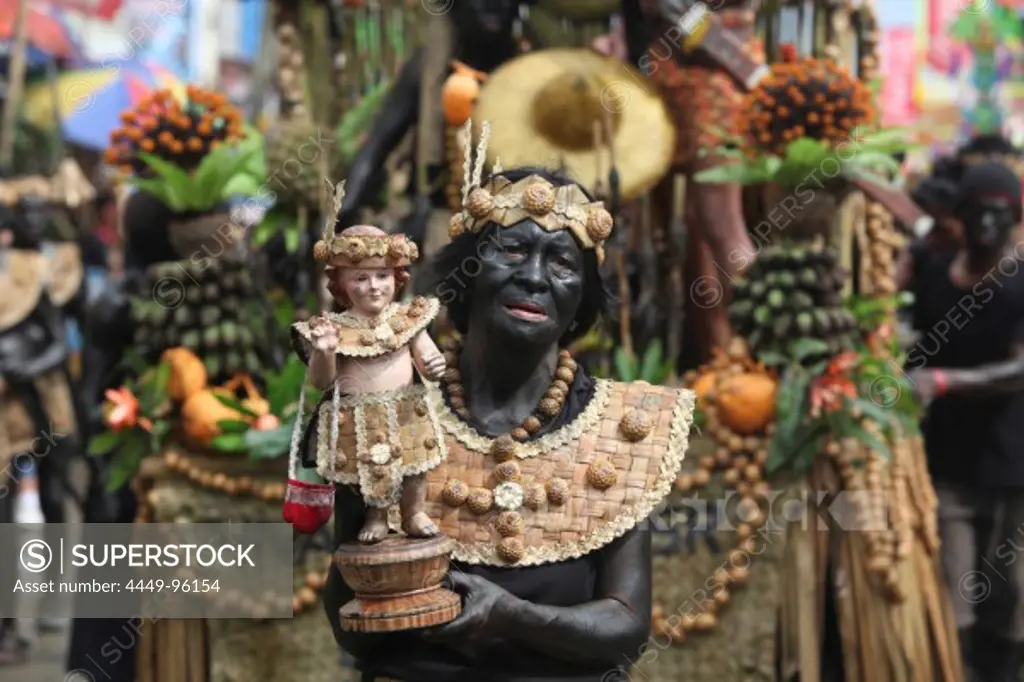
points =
(550, 474)
(382, 433)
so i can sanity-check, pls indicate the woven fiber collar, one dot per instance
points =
(587, 484)
(395, 327)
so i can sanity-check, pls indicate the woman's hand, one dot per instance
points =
(923, 381)
(484, 609)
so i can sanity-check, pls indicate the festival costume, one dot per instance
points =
(550, 496)
(38, 415)
(35, 285)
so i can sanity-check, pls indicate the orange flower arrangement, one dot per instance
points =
(803, 98)
(181, 133)
(828, 391)
(122, 411)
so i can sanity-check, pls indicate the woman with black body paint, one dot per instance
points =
(579, 619)
(968, 367)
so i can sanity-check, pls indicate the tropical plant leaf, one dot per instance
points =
(791, 406)
(626, 365)
(161, 190)
(176, 182)
(235, 404)
(650, 364)
(801, 349)
(233, 426)
(126, 463)
(763, 169)
(872, 161)
(869, 440)
(229, 442)
(772, 359)
(292, 237)
(104, 443)
(241, 184)
(357, 121)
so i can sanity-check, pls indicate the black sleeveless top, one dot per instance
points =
(409, 658)
(970, 439)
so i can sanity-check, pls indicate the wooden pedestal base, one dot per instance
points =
(397, 584)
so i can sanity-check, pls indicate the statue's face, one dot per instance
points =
(530, 289)
(483, 17)
(367, 290)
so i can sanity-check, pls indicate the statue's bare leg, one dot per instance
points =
(375, 528)
(415, 521)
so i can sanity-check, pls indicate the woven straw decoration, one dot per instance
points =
(415, 431)
(589, 518)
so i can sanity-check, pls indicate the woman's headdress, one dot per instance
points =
(358, 246)
(505, 203)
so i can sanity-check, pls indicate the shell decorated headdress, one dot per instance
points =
(360, 246)
(507, 203)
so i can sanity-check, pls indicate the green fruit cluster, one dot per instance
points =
(208, 307)
(792, 292)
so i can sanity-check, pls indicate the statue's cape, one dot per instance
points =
(368, 338)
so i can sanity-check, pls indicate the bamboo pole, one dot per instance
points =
(15, 85)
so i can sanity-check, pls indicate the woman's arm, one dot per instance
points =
(604, 632)
(993, 378)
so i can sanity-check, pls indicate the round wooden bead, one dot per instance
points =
(550, 407)
(534, 497)
(507, 471)
(635, 425)
(503, 448)
(480, 501)
(455, 492)
(511, 550)
(531, 424)
(508, 524)
(601, 474)
(557, 491)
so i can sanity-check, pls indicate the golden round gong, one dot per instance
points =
(542, 109)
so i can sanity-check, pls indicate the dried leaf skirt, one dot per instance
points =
(382, 438)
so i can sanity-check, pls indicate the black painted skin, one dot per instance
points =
(508, 364)
(483, 40)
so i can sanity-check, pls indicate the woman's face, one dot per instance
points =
(368, 290)
(532, 286)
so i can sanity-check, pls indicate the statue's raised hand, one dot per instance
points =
(324, 334)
